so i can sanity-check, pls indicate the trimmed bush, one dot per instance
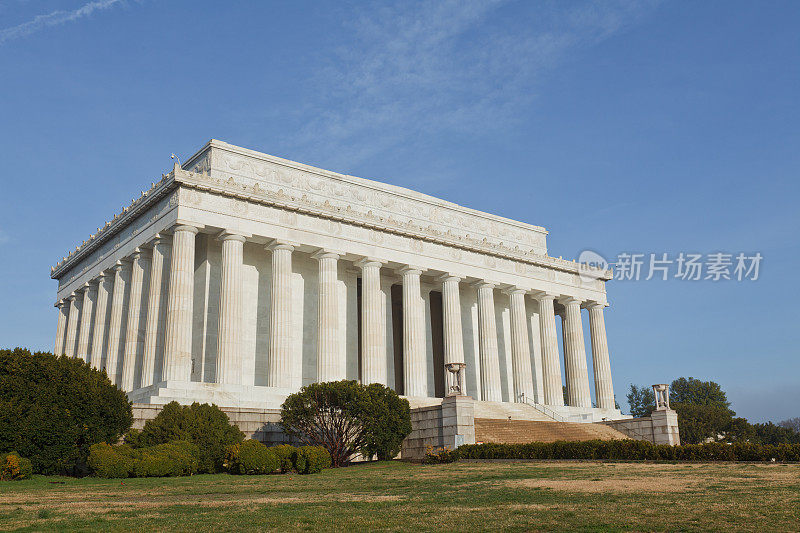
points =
(284, 452)
(14, 467)
(251, 457)
(627, 449)
(202, 424)
(105, 461)
(311, 459)
(53, 409)
(177, 458)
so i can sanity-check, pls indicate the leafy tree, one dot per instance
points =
(694, 391)
(770, 433)
(740, 430)
(698, 422)
(202, 424)
(641, 400)
(791, 423)
(388, 422)
(345, 417)
(52, 409)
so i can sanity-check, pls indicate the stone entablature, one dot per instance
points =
(241, 279)
(302, 189)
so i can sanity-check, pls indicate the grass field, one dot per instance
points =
(407, 497)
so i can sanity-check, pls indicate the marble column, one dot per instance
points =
(87, 316)
(491, 390)
(280, 317)
(575, 366)
(453, 336)
(373, 324)
(100, 320)
(551, 361)
(229, 356)
(72, 324)
(116, 336)
(603, 387)
(156, 309)
(415, 368)
(331, 363)
(134, 335)
(520, 348)
(180, 303)
(61, 329)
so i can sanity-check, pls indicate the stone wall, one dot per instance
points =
(259, 424)
(661, 427)
(449, 425)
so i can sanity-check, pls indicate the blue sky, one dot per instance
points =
(620, 127)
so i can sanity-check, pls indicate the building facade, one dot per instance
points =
(240, 277)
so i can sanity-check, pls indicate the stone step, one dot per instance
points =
(505, 411)
(523, 431)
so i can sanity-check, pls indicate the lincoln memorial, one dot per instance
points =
(239, 277)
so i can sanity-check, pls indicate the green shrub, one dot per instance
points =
(53, 409)
(311, 459)
(202, 424)
(346, 417)
(439, 455)
(105, 461)
(388, 422)
(284, 453)
(628, 449)
(14, 467)
(177, 458)
(251, 457)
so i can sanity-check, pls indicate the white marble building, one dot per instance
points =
(239, 277)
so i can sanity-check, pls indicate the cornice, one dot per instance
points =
(304, 205)
(121, 220)
(381, 187)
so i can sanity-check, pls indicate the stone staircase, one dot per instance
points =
(506, 411)
(523, 431)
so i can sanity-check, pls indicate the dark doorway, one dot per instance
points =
(437, 343)
(397, 337)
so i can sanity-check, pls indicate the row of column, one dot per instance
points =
(83, 316)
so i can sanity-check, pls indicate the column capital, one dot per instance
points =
(369, 261)
(280, 244)
(483, 284)
(159, 238)
(411, 269)
(569, 300)
(186, 227)
(61, 303)
(323, 253)
(139, 253)
(591, 304)
(514, 290)
(449, 277)
(230, 235)
(543, 295)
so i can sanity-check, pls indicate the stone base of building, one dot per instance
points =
(449, 424)
(661, 427)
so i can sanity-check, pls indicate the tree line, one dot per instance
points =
(705, 415)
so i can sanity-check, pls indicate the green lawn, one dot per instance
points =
(409, 497)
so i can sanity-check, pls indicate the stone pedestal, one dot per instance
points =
(665, 427)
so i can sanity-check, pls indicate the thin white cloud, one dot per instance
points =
(56, 18)
(445, 68)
